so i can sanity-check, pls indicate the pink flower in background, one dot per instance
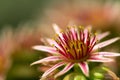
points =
(75, 45)
(13, 41)
(100, 15)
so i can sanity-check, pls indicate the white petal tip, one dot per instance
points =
(117, 54)
(38, 47)
(117, 38)
(33, 64)
(109, 60)
(87, 75)
(85, 69)
(105, 43)
(55, 76)
(42, 78)
(109, 54)
(55, 26)
(35, 47)
(114, 39)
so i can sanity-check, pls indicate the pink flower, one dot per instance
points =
(75, 45)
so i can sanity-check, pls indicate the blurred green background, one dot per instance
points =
(14, 12)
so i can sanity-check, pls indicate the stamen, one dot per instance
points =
(75, 43)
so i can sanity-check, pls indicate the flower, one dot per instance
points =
(75, 45)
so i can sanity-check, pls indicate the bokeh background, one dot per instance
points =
(24, 22)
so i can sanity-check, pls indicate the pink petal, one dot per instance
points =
(66, 69)
(45, 48)
(47, 59)
(42, 40)
(101, 36)
(52, 69)
(73, 33)
(105, 43)
(84, 68)
(99, 58)
(86, 35)
(52, 42)
(112, 54)
(56, 28)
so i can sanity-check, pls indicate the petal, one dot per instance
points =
(112, 54)
(84, 68)
(45, 48)
(66, 69)
(47, 59)
(99, 58)
(56, 28)
(42, 40)
(86, 35)
(73, 31)
(52, 69)
(101, 36)
(105, 43)
(89, 28)
(50, 41)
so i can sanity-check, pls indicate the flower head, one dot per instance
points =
(75, 45)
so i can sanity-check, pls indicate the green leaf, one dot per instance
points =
(79, 77)
(98, 75)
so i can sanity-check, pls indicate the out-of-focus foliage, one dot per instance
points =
(14, 12)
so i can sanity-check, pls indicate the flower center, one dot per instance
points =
(77, 50)
(75, 44)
